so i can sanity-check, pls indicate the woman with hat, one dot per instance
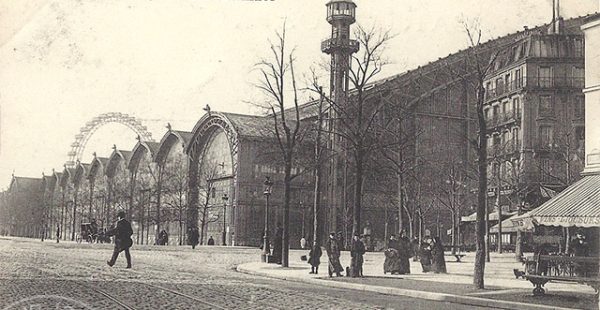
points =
(333, 253)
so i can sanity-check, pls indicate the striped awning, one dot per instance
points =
(577, 205)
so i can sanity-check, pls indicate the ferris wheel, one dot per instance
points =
(87, 131)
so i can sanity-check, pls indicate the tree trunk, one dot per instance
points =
(318, 170)
(74, 215)
(158, 197)
(192, 193)
(358, 182)
(454, 239)
(286, 212)
(479, 268)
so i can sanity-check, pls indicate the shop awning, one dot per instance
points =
(577, 205)
(493, 216)
(508, 226)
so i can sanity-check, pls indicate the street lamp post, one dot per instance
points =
(266, 249)
(225, 198)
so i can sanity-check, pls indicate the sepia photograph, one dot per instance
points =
(300, 154)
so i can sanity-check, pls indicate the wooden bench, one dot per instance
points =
(457, 251)
(542, 269)
(458, 256)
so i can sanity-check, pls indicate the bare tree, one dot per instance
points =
(286, 127)
(452, 192)
(209, 173)
(175, 186)
(476, 65)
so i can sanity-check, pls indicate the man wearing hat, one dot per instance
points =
(123, 241)
(357, 250)
(333, 253)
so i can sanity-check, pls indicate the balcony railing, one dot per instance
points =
(503, 149)
(534, 82)
(503, 119)
(338, 43)
(551, 82)
(499, 90)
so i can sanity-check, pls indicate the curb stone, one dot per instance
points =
(441, 297)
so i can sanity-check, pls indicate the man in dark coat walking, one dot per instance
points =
(357, 250)
(123, 241)
(194, 237)
(57, 233)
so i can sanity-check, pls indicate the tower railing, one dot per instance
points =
(339, 43)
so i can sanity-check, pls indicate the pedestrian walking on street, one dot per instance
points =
(57, 233)
(425, 255)
(391, 263)
(194, 237)
(303, 243)
(438, 264)
(405, 252)
(333, 253)
(211, 241)
(314, 258)
(277, 246)
(357, 250)
(123, 241)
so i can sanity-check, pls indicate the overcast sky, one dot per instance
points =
(63, 62)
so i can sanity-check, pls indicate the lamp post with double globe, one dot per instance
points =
(266, 248)
(225, 198)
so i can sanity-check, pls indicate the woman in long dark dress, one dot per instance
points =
(392, 262)
(405, 252)
(438, 263)
(314, 258)
(425, 256)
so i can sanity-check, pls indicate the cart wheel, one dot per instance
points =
(538, 291)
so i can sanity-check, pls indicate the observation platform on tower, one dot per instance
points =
(339, 44)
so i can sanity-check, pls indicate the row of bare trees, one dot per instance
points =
(372, 127)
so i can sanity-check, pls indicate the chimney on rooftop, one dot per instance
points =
(556, 27)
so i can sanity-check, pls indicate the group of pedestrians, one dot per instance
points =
(397, 255)
(333, 247)
(431, 255)
(430, 252)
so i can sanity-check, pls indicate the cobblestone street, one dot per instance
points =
(76, 275)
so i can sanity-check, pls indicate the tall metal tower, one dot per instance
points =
(340, 14)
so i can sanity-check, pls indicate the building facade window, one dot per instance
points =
(517, 106)
(516, 138)
(518, 82)
(579, 108)
(578, 47)
(545, 108)
(545, 77)
(546, 136)
(499, 86)
(578, 77)
(495, 112)
(545, 169)
(580, 138)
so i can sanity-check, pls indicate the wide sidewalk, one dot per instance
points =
(503, 290)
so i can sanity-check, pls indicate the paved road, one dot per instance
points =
(76, 276)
